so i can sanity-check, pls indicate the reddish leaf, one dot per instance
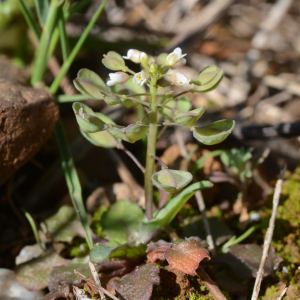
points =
(185, 256)
(138, 284)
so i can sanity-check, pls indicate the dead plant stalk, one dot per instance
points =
(269, 235)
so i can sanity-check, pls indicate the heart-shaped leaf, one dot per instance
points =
(120, 260)
(131, 133)
(208, 79)
(104, 138)
(214, 133)
(87, 119)
(189, 118)
(138, 285)
(121, 221)
(101, 253)
(171, 180)
(62, 226)
(185, 256)
(90, 84)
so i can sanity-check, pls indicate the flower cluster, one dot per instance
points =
(151, 66)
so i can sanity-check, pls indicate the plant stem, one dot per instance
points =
(66, 65)
(182, 93)
(70, 98)
(151, 150)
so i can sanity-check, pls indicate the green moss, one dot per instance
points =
(96, 225)
(271, 293)
(286, 239)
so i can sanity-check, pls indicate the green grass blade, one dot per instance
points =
(42, 52)
(78, 7)
(33, 227)
(42, 10)
(72, 180)
(63, 35)
(66, 65)
(29, 18)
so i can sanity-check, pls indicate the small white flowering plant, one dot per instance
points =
(161, 106)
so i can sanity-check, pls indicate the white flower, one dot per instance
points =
(181, 62)
(174, 57)
(141, 77)
(118, 77)
(179, 78)
(133, 55)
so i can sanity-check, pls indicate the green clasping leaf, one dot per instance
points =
(171, 180)
(90, 84)
(104, 138)
(208, 79)
(86, 118)
(114, 61)
(214, 133)
(188, 118)
(113, 100)
(167, 213)
(131, 133)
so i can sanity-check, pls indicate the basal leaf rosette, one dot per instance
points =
(171, 180)
(89, 84)
(214, 133)
(188, 118)
(104, 138)
(131, 133)
(87, 119)
(208, 79)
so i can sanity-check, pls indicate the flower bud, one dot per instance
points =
(114, 61)
(171, 180)
(133, 55)
(174, 57)
(144, 58)
(119, 77)
(153, 68)
(178, 78)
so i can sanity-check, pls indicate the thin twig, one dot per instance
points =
(269, 235)
(94, 285)
(202, 208)
(282, 293)
(97, 280)
(210, 285)
(135, 160)
(126, 176)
